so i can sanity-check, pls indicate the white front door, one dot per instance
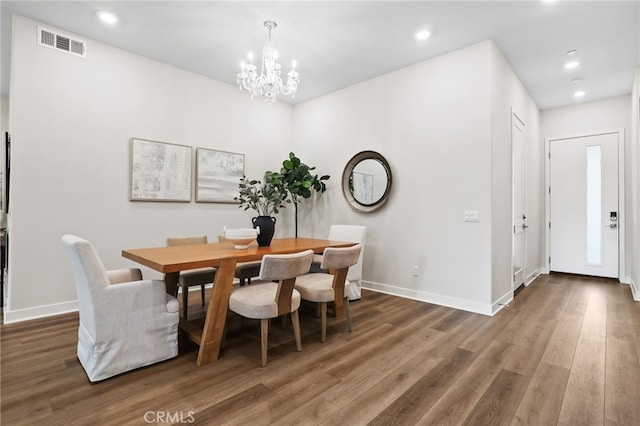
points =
(518, 191)
(584, 215)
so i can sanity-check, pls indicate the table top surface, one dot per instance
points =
(177, 258)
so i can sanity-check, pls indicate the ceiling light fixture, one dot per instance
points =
(579, 94)
(423, 34)
(572, 52)
(107, 17)
(268, 83)
(571, 65)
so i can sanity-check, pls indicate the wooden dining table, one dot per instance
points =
(223, 256)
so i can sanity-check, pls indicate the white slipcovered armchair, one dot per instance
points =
(125, 322)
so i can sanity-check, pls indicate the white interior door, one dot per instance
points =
(519, 211)
(584, 205)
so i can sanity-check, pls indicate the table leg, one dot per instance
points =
(217, 312)
(171, 282)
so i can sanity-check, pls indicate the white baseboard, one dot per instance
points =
(634, 290)
(36, 312)
(625, 280)
(535, 274)
(437, 299)
(501, 303)
(452, 302)
(508, 297)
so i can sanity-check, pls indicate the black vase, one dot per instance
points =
(267, 226)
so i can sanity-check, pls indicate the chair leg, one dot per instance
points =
(296, 329)
(202, 293)
(347, 313)
(224, 330)
(323, 315)
(185, 301)
(264, 328)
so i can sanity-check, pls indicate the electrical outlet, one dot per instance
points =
(416, 270)
(472, 216)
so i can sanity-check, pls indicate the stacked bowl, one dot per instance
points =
(241, 237)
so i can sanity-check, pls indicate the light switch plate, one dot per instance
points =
(472, 216)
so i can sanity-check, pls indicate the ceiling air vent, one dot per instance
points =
(54, 40)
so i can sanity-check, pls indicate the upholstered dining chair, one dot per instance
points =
(125, 322)
(352, 234)
(245, 270)
(323, 287)
(265, 299)
(192, 277)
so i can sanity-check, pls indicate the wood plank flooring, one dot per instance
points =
(565, 352)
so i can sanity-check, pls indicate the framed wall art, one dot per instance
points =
(160, 171)
(218, 174)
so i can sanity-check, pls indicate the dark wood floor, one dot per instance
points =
(565, 352)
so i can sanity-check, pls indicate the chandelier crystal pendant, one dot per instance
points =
(269, 83)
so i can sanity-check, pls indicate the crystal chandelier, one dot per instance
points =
(268, 83)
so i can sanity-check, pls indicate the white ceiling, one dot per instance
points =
(337, 44)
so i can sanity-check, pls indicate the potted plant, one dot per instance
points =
(296, 179)
(265, 198)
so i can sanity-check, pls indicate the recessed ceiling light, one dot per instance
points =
(423, 34)
(572, 52)
(576, 80)
(107, 17)
(571, 65)
(579, 94)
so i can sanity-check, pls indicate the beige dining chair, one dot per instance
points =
(192, 277)
(323, 287)
(245, 270)
(352, 234)
(265, 299)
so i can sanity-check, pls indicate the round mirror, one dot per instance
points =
(366, 181)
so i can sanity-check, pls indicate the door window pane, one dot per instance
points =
(594, 205)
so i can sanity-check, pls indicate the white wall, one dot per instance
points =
(4, 127)
(72, 120)
(432, 122)
(4, 114)
(634, 206)
(507, 95)
(445, 127)
(596, 116)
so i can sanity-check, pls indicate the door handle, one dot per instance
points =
(524, 226)
(613, 226)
